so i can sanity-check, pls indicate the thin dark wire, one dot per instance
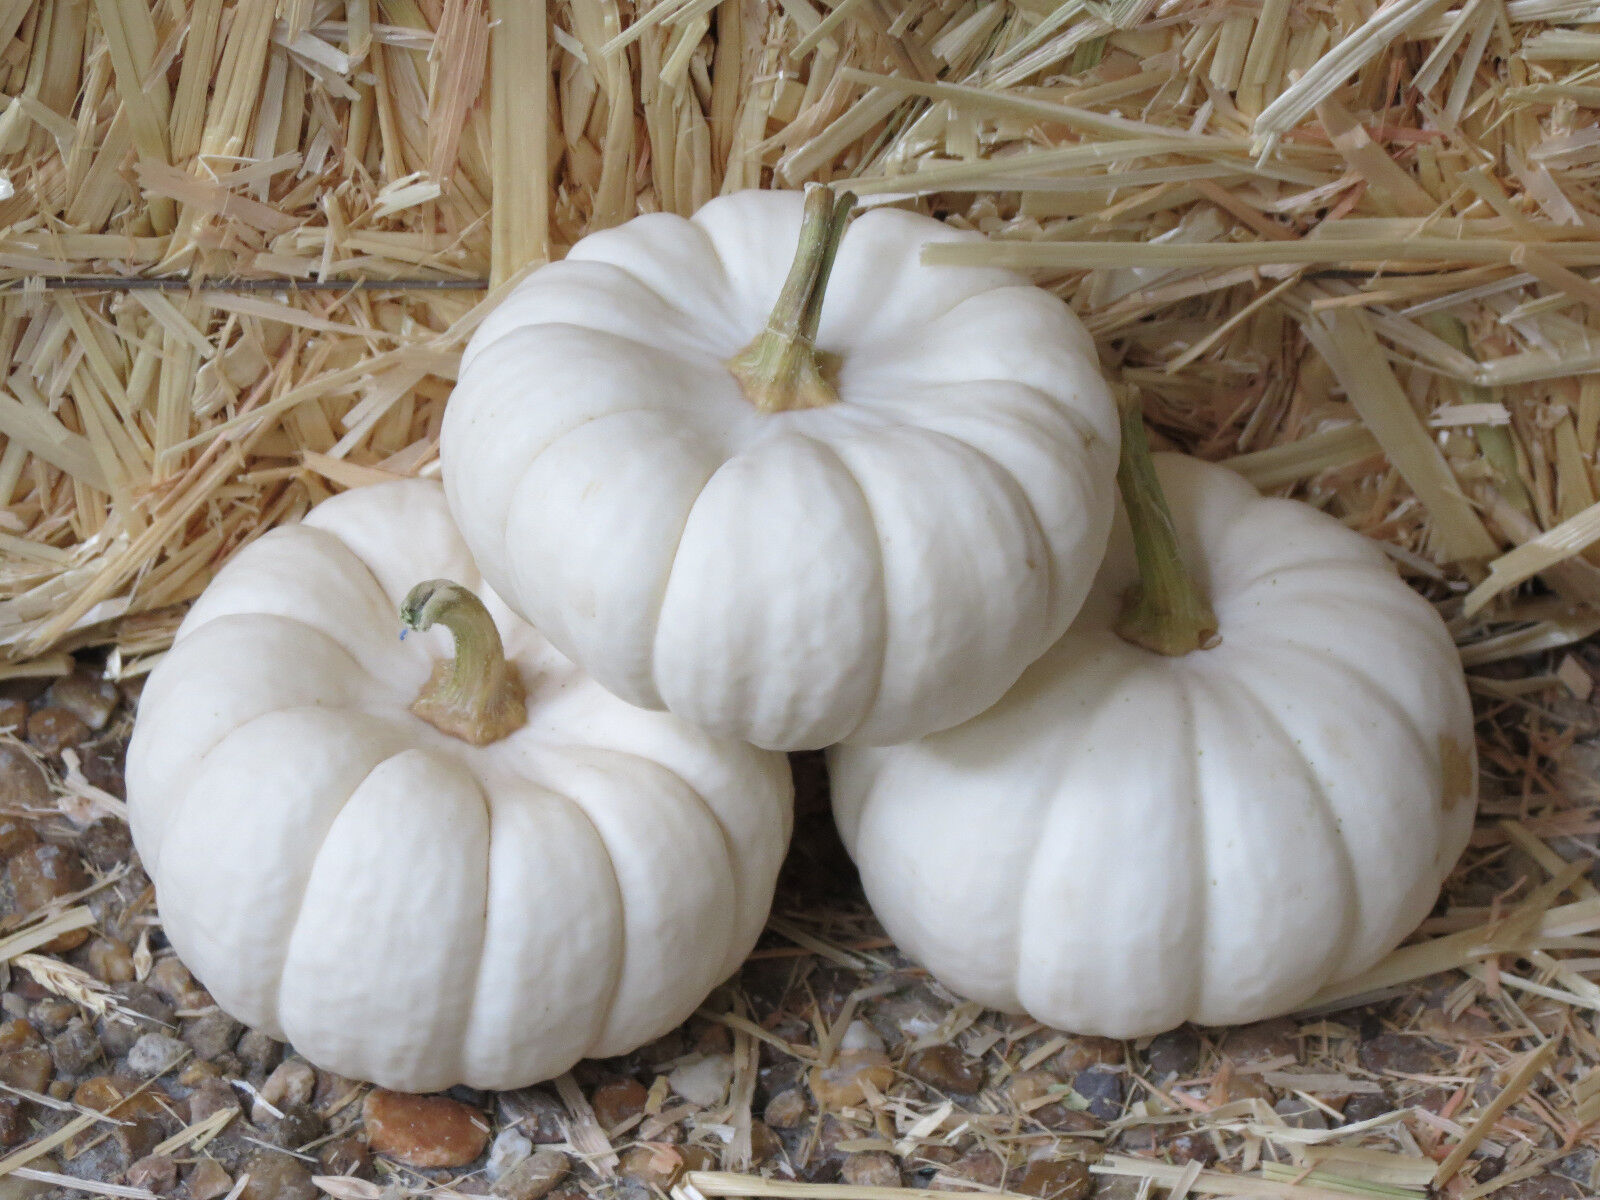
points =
(116, 283)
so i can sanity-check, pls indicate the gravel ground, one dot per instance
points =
(829, 1058)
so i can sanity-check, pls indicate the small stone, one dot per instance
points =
(111, 960)
(103, 764)
(533, 1177)
(1192, 1147)
(258, 1052)
(1263, 1041)
(1025, 1087)
(1081, 1053)
(870, 1169)
(212, 1034)
(764, 1144)
(509, 1148)
(276, 1176)
(23, 784)
(14, 1124)
(42, 873)
(18, 1032)
(1102, 1088)
(1396, 1053)
(207, 1180)
(75, 1049)
(659, 1165)
(106, 843)
(27, 1067)
(156, 1173)
(1541, 1187)
(947, 1069)
(1245, 1087)
(1056, 1179)
(154, 1052)
(118, 1034)
(787, 1110)
(52, 729)
(1176, 1052)
(424, 1131)
(617, 1102)
(299, 1126)
(845, 1083)
(1300, 1114)
(345, 1156)
(210, 1097)
(1364, 1106)
(291, 1083)
(14, 1187)
(13, 713)
(703, 1081)
(194, 1072)
(91, 699)
(536, 1112)
(982, 1167)
(173, 983)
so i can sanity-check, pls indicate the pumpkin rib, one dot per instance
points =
(1199, 984)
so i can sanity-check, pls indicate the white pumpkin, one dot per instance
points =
(405, 906)
(1129, 840)
(867, 544)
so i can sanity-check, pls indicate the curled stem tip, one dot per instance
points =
(476, 695)
(781, 369)
(1165, 611)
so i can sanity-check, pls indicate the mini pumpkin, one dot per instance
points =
(1151, 828)
(791, 497)
(423, 865)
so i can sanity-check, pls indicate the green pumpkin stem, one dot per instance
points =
(782, 370)
(1165, 611)
(476, 695)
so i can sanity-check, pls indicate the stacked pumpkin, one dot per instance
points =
(693, 516)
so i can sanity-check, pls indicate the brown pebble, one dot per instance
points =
(275, 1176)
(764, 1144)
(1081, 1053)
(13, 713)
(196, 1071)
(210, 1097)
(27, 1067)
(207, 1180)
(23, 783)
(845, 1083)
(52, 730)
(1262, 1042)
(156, 1173)
(1397, 1053)
(173, 983)
(106, 843)
(111, 960)
(15, 1127)
(618, 1101)
(870, 1169)
(345, 1156)
(1056, 1179)
(1192, 1147)
(18, 1032)
(982, 1167)
(946, 1068)
(787, 1109)
(42, 873)
(424, 1131)
(533, 1177)
(1542, 1187)
(1025, 1087)
(89, 698)
(657, 1164)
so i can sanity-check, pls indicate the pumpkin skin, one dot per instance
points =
(872, 570)
(1128, 841)
(400, 905)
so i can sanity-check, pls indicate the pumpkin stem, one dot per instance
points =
(476, 696)
(782, 369)
(1165, 611)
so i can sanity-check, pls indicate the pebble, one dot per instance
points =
(1541, 1187)
(1191, 1147)
(173, 983)
(764, 1144)
(23, 783)
(18, 1032)
(290, 1085)
(618, 1101)
(111, 960)
(13, 713)
(210, 1097)
(14, 1124)
(207, 1180)
(27, 1067)
(861, 1063)
(1102, 1088)
(51, 1015)
(299, 1126)
(259, 1052)
(509, 1148)
(947, 1069)
(156, 1173)
(787, 1110)
(275, 1176)
(1363, 1106)
(75, 1049)
(91, 699)
(106, 843)
(1081, 1053)
(1056, 1179)
(423, 1131)
(345, 1156)
(1263, 1041)
(154, 1052)
(212, 1034)
(703, 1081)
(53, 729)
(14, 1187)
(870, 1169)
(658, 1165)
(42, 873)
(1249, 1087)
(1300, 1114)
(982, 1167)
(536, 1112)
(1394, 1052)
(533, 1177)
(1176, 1052)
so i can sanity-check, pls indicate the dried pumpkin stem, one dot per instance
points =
(1165, 611)
(782, 369)
(476, 695)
